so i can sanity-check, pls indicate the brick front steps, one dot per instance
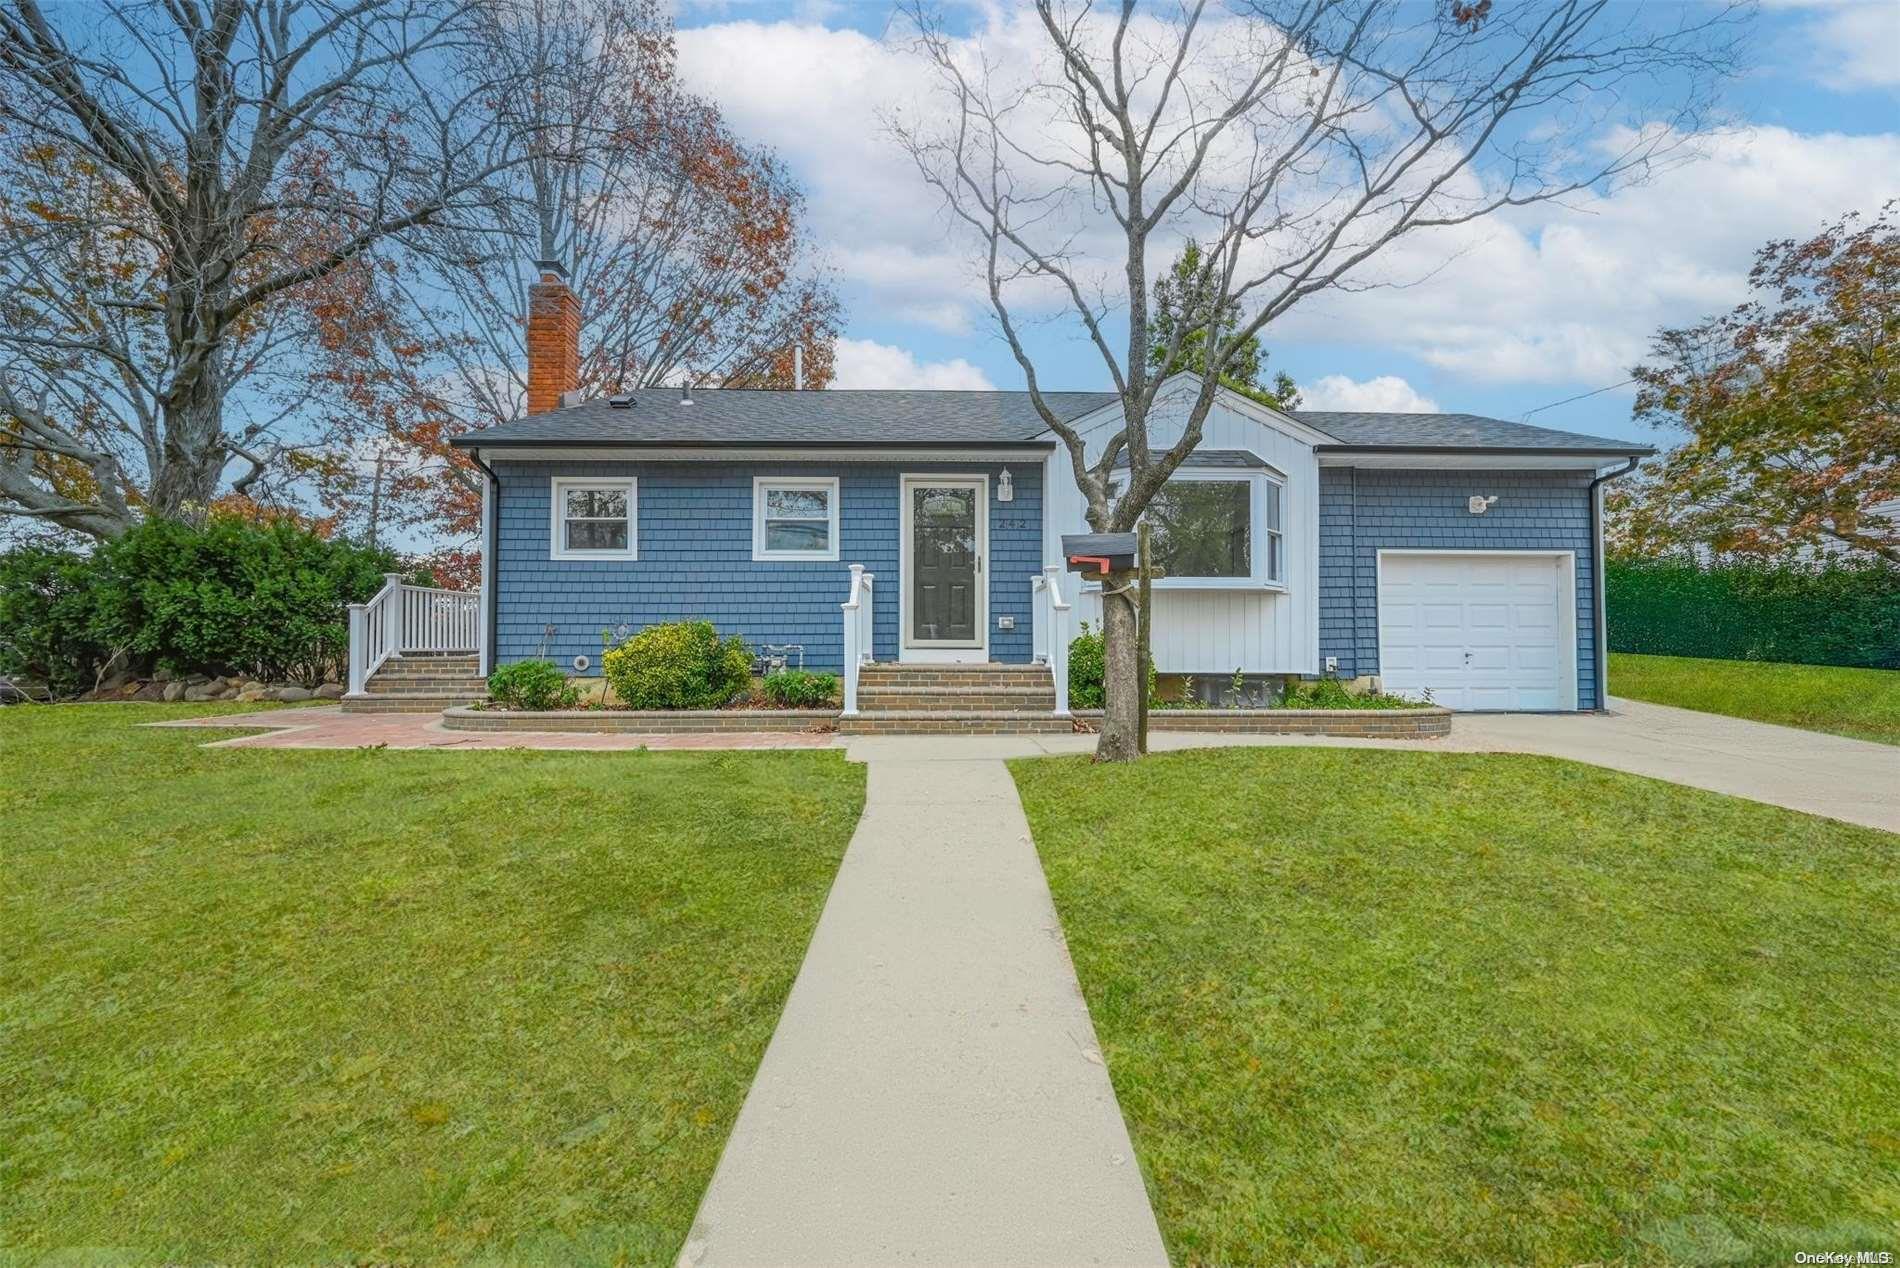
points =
(640, 722)
(1366, 724)
(420, 682)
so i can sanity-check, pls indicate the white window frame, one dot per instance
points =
(557, 528)
(1258, 545)
(826, 484)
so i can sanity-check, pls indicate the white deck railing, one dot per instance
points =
(1049, 631)
(858, 627)
(405, 618)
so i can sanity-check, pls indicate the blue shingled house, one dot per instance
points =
(1441, 552)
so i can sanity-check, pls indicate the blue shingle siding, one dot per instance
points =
(695, 548)
(1363, 510)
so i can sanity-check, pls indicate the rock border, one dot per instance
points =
(639, 721)
(1429, 723)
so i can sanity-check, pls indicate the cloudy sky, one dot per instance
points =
(1503, 319)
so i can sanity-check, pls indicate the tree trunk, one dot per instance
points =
(1121, 673)
(193, 457)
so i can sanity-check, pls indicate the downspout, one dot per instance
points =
(491, 607)
(1602, 623)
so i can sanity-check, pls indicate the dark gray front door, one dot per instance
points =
(945, 564)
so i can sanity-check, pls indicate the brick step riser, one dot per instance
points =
(380, 683)
(951, 724)
(427, 671)
(1041, 680)
(884, 702)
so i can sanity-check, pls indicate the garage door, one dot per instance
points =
(1486, 630)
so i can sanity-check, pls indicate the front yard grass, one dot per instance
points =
(309, 1007)
(1862, 703)
(1389, 1007)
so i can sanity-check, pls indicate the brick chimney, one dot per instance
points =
(554, 339)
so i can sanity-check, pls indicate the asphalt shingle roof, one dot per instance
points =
(833, 418)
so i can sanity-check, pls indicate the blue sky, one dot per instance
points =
(1503, 320)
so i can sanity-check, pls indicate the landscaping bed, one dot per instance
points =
(382, 1006)
(1403, 1007)
(1424, 723)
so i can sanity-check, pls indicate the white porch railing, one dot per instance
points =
(858, 625)
(1049, 631)
(405, 618)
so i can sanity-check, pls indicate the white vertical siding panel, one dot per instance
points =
(1215, 631)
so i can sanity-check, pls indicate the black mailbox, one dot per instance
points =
(1101, 553)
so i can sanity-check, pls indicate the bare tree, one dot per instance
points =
(220, 161)
(684, 245)
(1294, 140)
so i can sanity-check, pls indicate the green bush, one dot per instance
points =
(684, 665)
(46, 610)
(270, 601)
(228, 596)
(800, 689)
(1088, 669)
(1843, 613)
(533, 685)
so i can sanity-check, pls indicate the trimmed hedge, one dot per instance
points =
(1841, 613)
(228, 596)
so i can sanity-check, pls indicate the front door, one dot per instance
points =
(945, 592)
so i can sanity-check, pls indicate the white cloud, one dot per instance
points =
(1551, 294)
(1571, 294)
(1856, 42)
(1387, 393)
(866, 363)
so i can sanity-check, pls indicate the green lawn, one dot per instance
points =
(1863, 703)
(275, 1007)
(1441, 1008)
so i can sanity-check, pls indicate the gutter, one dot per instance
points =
(1602, 586)
(474, 440)
(1632, 452)
(491, 605)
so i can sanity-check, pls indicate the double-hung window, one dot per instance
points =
(794, 518)
(1219, 528)
(595, 519)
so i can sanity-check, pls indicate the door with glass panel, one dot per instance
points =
(946, 537)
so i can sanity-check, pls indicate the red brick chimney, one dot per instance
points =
(554, 339)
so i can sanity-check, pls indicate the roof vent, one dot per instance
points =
(686, 394)
(620, 402)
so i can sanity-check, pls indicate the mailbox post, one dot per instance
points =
(1106, 553)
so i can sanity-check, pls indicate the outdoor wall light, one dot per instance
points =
(1005, 490)
(1478, 503)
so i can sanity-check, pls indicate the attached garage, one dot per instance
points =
(1479, 629)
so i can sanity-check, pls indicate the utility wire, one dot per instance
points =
(1581, 396)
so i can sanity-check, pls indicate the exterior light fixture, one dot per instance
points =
(1478, 503)
(1005, 488)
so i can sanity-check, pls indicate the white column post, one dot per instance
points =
(853, 633)
(359, 635)
(392, 613)
(1058, 637)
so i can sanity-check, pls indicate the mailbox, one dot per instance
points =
(1100, 553)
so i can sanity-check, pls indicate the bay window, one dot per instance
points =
(1215, 528)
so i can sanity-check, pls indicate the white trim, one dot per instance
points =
(761, 453)
(1466, 461)
(942, 650)
(1190, 381)
(761, 555)
(557, 507)
(1566, 606)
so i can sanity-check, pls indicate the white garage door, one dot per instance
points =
(1485, 630)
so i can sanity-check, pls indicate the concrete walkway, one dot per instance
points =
(933, 1093)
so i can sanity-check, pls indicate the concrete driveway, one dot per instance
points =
(1852, 780)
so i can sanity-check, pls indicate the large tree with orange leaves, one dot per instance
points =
(684, 245)
(1792, 406)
